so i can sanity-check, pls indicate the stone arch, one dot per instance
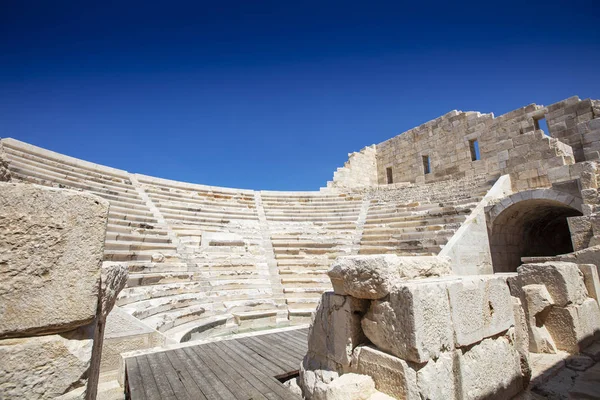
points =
(530, 223)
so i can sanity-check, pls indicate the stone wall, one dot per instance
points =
(403, 327)
(359, 171)
(415, 333)
(54, 295)
(510, 143)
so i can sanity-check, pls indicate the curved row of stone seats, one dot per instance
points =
(227, 279)
(308, 231)
(133, 234)
(409, 228)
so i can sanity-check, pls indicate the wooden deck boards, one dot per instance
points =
(238, 369)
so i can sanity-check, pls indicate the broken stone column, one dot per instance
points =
(51, 298)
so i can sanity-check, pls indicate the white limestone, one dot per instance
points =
(391, 375)
(51, 244)
(564, 281)
(414, 323)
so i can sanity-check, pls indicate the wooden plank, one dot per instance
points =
(280, 350)
(184, 376)
(211, 380)
(231, 384)
(196, 372)
(134, 380)
(268, 354)
(251, 356)
(274, 348)
(271, 384)
(171, 375)
(148, 380)
(289, 342)
(299, 336)
(244, 381)
(164, 387)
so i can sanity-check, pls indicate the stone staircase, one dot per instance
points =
(208, 260)
(133, 233)
(419, 220)
(308, 231)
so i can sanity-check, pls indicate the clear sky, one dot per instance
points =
(274, 94)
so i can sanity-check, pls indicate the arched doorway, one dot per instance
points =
(531, 223)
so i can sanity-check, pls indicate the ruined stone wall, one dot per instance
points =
(509, 144)
(359, 171)
(54, 295)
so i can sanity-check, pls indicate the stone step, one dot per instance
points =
(36, 167)
(47, 179)
(407, 236)
(51, 183)
(95, 170)
(313, 218)
(142, 267)
(130, 246)
(416, 251)
(141, 255)
(117, 236)
(417, 223)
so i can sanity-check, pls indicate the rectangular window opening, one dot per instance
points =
(474, 147)
(390, 175)
(426, 165)
(540, 124)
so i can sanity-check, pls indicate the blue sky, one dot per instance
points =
(274, 94)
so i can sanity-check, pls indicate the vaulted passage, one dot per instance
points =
(536, 227)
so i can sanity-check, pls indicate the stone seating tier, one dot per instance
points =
(205, 260)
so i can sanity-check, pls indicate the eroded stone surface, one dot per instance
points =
(373, 276)
(391, 375)
(44, 367)
(336, 329)
(490, 370)
(51, 246)
(364, 277)
(564, 281)
(414, 322)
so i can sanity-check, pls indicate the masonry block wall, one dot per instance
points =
(359, 171)
(512, 143)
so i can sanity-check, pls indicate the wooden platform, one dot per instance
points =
(237, 368)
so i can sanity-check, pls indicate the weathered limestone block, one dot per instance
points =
(436, 380)
(498, 316)
(314, 375)
(51, 247)
(563, 280)
(364, 277)
(581, 231)
(591, 280)
(414, 323)
(44, 367)
(573, 327)
(589, 321)
(4, 171)
(347, 387)
(481, 307)
(372, 276)
(490, 370)
(467, 307)
(537, 305)
(391, 375)
(522, 339)
(336, 328)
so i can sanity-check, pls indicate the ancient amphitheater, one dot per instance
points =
(465, 209)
